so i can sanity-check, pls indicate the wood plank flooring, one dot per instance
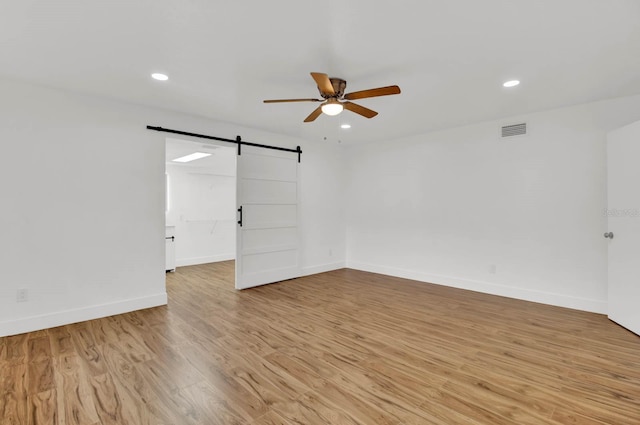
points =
(343, 347)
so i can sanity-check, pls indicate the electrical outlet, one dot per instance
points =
(492, 269)
(22, 295)
(330, 252)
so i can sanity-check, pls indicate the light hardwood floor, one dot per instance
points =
(344, 347)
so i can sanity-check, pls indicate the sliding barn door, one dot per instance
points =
(267, 248)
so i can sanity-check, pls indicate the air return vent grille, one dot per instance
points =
(514, 130)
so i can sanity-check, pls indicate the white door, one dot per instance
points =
(267, 248)
(623, 163)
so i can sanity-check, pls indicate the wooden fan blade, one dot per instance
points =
(365, 112)
(323, 82)
(291, 100)
(381, 91)
(315, 114)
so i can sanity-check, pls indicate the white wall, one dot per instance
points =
(445, 207)
(202, 208)
(82, 183)
(323, 183)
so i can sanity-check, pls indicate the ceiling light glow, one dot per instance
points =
(332, 107)
(511, 83)
(159, 77)
(345, 126)
(192, 157)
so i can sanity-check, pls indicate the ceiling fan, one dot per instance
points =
(332, 91)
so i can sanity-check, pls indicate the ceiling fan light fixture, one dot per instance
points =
(332, 90)
(332, 108)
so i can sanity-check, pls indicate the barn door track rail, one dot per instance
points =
(238, 140)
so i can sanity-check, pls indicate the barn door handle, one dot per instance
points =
(609, 235)
(240, 211)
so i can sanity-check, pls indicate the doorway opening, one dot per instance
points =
(200, 207)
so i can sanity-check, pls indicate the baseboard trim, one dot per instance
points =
(45, 321)
(559, 300)
(322, 268)
(193, 261)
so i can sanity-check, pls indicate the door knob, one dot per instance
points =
(609, 235)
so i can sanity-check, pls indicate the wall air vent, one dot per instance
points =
(514, 130)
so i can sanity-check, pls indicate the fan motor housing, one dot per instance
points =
(339, 85)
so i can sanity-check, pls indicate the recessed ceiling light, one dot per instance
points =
(511, 83)
(192, 157)
(345, 126)
(159, 77)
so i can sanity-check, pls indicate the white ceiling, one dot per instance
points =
(449, 57)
